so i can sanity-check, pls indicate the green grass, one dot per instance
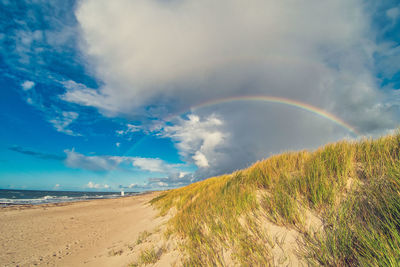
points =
(366, 229)
(148, 256)
(353, 186)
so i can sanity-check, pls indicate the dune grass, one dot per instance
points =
(208, 218)
(354, 187)
(365, 230)
(148, 256)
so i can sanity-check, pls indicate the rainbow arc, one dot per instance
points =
(281, 100)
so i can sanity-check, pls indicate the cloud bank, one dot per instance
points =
(109, 163)
(158, 59)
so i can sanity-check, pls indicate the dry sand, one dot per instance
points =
(90, 233)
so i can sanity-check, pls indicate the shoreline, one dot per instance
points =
(76, 233)
(49, 204)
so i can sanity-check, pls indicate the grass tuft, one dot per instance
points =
(148, 256)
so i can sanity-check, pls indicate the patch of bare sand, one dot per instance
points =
(287, 241)
(92, 233)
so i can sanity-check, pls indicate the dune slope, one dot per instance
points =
(338, 205)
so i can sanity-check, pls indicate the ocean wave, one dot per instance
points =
(51, 199)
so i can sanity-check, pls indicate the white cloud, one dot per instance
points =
(92, 185)
(158, 59)
(172, 180)
(197, 140)
(62, 122)
(173, 175)
(130, 128)
(152, 165)
(200, 160)
(108, 163)
(133, 186)
(156, 183)
(93, 163)
(27, 85)
(80, 94)
(162, 184)
(266, 47)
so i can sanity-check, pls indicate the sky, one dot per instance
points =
(138, 95)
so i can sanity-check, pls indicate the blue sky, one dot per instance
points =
(109, 95)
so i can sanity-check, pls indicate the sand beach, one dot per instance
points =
(89, 233)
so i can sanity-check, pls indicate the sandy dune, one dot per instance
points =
(92, 233)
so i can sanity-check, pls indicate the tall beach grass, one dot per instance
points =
(353, 187)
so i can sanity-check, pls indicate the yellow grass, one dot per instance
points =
(218, 216)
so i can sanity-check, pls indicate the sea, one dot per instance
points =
(35, 197)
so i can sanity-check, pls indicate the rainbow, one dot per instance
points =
(268, 99)
(281, 100)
